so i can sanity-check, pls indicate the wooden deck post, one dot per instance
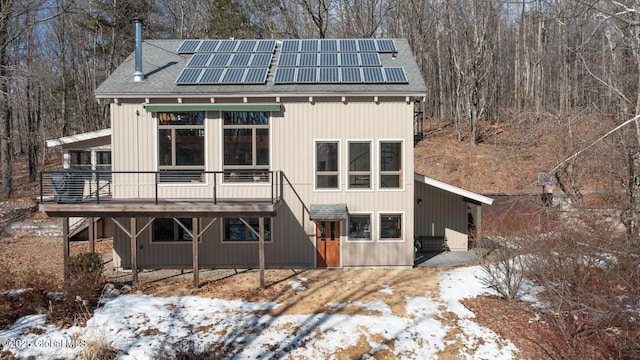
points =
(196, 269)
(134, 251)
(91, 233)
(261, 250)
(65, 249)
(478, 223)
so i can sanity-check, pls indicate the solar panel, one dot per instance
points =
(256, 76)
(188, 46)
(227, 45)
(239, 60)
(189, 76)
(366, 45)
(349, 59)
(395, 75)
(327, 45)
(266, 46)
(232, 76)
(247, 45)
(308, 59)
(211, 76)
(261, 60)
(329, 59)
(290, 45)
(370, 59)
(307, 75)
(208, 46)
(372, 75)
(386, 46)
(284, 75)
(309, 46)
(199, 60)
(351, 75)
(288, 59)
(329, 75)
(348, 45)
(219, 60)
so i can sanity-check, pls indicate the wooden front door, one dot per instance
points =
(328, 243)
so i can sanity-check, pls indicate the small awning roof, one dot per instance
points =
(468, 195)
(211, 107)
(328, 212)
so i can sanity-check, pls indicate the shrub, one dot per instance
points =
(503, 267)
(84, 276)
(98, 349)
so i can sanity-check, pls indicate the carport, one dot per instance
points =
(442, 217)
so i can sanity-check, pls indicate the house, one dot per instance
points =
(89, 152)
(264, 153)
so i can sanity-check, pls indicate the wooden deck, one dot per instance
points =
(164, 208)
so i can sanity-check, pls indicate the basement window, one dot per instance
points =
(168, 230)
(236, 230)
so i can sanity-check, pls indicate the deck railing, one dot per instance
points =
(73, 186)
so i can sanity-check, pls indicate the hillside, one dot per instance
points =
(508, 158)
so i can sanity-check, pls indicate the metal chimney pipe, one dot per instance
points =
(138, 75)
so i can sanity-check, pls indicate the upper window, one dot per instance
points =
(181, 146)
(327, 165)
(359, 165)
(236, 230)
(391, 164)
(165, 229)
(391, 227)
(246, 146)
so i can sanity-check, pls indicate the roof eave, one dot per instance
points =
(453, 189)
(255, 94)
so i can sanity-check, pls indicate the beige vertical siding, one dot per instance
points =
(293, 132)
(441, 214)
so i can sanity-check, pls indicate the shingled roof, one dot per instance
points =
(162, 64)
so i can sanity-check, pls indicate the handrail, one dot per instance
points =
(70, 185)
(284, 177)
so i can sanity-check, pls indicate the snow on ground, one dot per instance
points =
(140, 325)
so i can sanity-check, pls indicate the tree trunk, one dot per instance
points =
(6, 186)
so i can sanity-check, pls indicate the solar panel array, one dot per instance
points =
(307, 61)
(226, 61)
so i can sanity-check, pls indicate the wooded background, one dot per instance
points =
(485, 62)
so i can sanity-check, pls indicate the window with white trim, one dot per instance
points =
(391, 164)
(360, 227)
(390, 226)
(327, 165)
(181, 146)
(236, 230)
(359, 165)
(246, 146)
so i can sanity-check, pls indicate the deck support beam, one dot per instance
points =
(66, 249)
(261, 250)
(91, 234)
(260, 235)
(133, 234)
(196, 269)
(134, 251)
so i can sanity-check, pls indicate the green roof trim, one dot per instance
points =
(212, 107)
